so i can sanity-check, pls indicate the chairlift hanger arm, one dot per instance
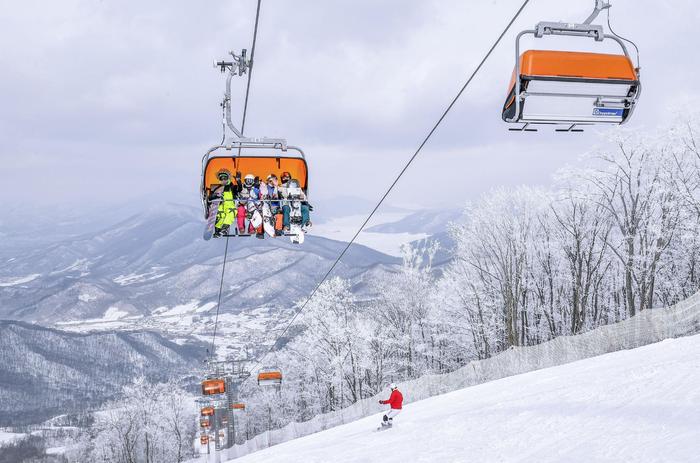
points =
(239, 66)
(600, 5)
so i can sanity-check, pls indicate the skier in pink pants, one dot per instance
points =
(245, 206)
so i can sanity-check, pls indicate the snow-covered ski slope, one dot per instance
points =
(634, 405)
(647, 327)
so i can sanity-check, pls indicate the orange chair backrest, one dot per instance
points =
(257, 166)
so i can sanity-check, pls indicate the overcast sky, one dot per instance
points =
(116, 100)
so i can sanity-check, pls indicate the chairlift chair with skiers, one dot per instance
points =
(258, 157)
(204, 423)
(204, 440)
(207, 411)
(237, 406)
(571, 88)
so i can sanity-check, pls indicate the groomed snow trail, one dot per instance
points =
(628, 406)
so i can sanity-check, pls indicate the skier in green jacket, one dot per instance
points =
(226, 213)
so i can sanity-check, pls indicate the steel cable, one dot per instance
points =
(393, 184)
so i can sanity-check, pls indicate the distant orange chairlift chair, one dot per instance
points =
(213, 386)
(569, 88)
(270, 377)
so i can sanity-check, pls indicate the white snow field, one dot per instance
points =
(635, 405)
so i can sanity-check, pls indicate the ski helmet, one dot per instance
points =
(286, 175)
(224, 176)
(392, 386)
(249, 180)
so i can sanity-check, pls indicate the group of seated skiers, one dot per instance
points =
(252, 199)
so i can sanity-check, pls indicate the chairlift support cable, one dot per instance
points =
(245, 112)
(393, 184)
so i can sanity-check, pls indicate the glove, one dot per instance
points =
(381, 402)
(311, 208)
(249, 215)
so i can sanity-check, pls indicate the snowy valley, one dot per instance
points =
(146, 280)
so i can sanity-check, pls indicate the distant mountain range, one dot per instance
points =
(46, 372)
(157, 259)
(141, 290)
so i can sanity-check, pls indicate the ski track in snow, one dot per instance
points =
(640, 405)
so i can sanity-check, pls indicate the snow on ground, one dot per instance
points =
(191, 307)
(79, 264)
(113, 313)
(85, 297)
(236, 330)
(113, 318)
(154, 274)
(633, 405)
(344, 228)
(13, 281)
(7, 437)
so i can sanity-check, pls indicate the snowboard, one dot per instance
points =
(384, 427)
(297, 235)
(211, 218)
(296, 231)
(268, 221)
(269, 229)
(256, 219)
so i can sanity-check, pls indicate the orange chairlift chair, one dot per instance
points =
(269, 377)
(571, 88)
(257, 156)
(207, 411)
(213, 386)
(237, 406)
(204, 440)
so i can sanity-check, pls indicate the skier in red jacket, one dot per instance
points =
(395, 401)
